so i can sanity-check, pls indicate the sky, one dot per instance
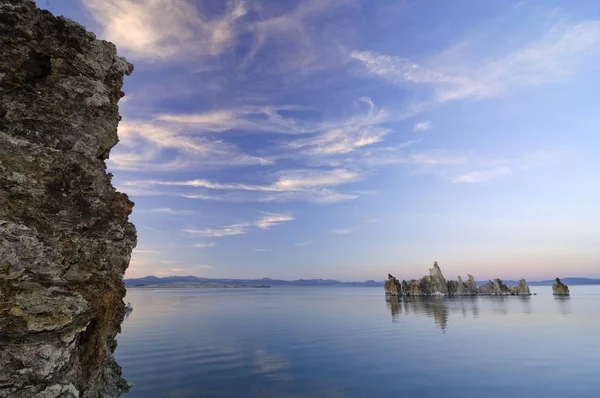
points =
(350, 139)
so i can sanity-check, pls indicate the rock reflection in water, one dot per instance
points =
(564, 304)
(438, 308)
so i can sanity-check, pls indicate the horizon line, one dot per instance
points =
(358, 281)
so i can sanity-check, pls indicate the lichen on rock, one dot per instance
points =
(65, 239)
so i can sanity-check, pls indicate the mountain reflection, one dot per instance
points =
(438, 308)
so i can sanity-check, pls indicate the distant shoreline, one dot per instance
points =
(193, 286)
(198, 286)
(202, 283)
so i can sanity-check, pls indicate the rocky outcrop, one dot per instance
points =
(522, 289)
(559, 288)
(435, 284)
(459, 288)
(498, 288)
(65, 239)
(392, 286)
(471, 286)
(438, 282)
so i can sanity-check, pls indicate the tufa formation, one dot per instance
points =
(65, 239)
(435, 284)
(559, 288)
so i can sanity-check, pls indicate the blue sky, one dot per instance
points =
(347, 139)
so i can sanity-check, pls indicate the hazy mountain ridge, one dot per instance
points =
(154, 280)
(569, 281)
(174, 280)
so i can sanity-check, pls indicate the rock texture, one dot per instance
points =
(392, 286)
(438, 282)
(559, 288)
(498, 288)
(435, 284)
(65, 239)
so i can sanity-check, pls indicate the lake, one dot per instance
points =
(351, 342)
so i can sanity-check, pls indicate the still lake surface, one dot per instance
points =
(351, 342)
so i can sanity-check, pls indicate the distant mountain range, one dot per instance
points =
(569, 281)
(183, 281)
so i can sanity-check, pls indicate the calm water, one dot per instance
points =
(350, 342)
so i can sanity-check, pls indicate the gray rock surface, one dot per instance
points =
(392, 286)
(471, 286)
(438, 282)
(65, 239)
(435, 284)
(559, 288)
(499, 288)
(522, 289)
(494, 288)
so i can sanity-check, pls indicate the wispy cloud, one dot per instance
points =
(149, 146)
(325, 138)
(550, 58)
(316, 196)
(296, 33)
(422, 126)
(182, 270)
(272, 365)
(311, 185)
(289, 180)
(205, 244)
(270, 220)
(473, 177)
(266, 221)
(218, 232)
(483, 170)
(267, 119)
(345, 136)
(186, 141)
(168, 210)
(165, 29)
(304, 243)
(342, 231)
(143, 251)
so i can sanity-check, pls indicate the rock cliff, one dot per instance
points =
(435, 284)
(559, 288)
(65, 239)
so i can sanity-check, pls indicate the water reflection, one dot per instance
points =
(564, 304)
(441, 309)
(438, 308)
(340, 342)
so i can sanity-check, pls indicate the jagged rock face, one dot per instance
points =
(559, 288)
(414, 288)
(522, 289)
(65, 239)
(452, 287)
(392, 286)
(438, 282)
(471, 286)
(404, 286)
(435, 284)
(494, 288)
(498, 288)
(460, 288)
